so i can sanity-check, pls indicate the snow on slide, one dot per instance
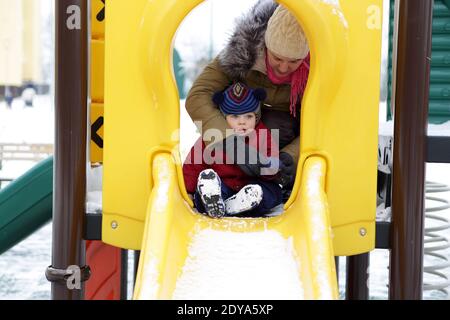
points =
(261, 264)
(185, 255)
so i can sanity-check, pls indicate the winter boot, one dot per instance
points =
(209, 189)
(248, 198)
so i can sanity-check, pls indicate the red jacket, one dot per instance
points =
(230, 174)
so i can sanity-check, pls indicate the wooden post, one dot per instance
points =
(71, 97)
(410, 133)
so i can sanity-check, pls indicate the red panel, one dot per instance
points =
(105, 264)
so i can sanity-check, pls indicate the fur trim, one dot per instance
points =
(241, 52)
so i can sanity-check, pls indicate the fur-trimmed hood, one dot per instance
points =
(247, 42)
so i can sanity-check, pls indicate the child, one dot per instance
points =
(222, 187)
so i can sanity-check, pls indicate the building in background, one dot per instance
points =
(20, 49)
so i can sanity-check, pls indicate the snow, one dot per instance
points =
(22, 269)
(94, 189)
(94, 202)
(439, 129)
(21, 124)
(261, 264)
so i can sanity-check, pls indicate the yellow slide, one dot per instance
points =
(174, 246)
(331, 211)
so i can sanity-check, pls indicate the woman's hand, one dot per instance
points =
(287, 170)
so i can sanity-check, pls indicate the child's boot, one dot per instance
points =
(248, 198)
(209, 189)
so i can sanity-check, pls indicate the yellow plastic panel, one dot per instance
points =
(143, 108)
(96, 154)
(339, 114)
(98, 19)
(171, 225)
(97, 70)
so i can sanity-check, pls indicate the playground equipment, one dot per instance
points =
(142, 135)
(145, 128)
(435, 244)
(22, 152)
(331, 211)
(26, 204)
(145, 205)
(440, 64)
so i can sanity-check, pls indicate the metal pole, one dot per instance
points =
(411, 117)
(336, 263)
(357, 287)
(68, 271)
(137, 256)
(124, 274)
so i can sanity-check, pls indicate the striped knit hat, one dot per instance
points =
(240, 99)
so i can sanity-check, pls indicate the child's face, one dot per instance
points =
(243, 123)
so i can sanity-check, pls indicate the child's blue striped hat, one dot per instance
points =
(239, 99)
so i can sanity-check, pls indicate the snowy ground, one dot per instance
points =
(22, 268)
(379, 259)
(22, 124)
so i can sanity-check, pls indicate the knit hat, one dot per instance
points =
(285, 37)
(240, 99)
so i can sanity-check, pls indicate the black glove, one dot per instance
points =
(286, 176)
(252, 162)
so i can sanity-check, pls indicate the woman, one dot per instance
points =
(267, 50)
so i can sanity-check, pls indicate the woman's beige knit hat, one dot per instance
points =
(285, 37)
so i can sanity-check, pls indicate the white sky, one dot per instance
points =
(196, 28)
(210, 20)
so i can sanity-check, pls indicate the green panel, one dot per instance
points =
(439, 107)
(440, 59)
(440, 91)
(179, 74)
(441, 9)
(441, 41)
(440, 75)
(26, 204)
(441, 25)
(447, 3)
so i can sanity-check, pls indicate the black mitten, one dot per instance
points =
(286, 176)
(252, 162)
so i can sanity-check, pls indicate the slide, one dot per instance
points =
(26, 204)
(186, 255)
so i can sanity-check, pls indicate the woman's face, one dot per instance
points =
(282, 66)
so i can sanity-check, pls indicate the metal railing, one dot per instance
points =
(435, 244)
